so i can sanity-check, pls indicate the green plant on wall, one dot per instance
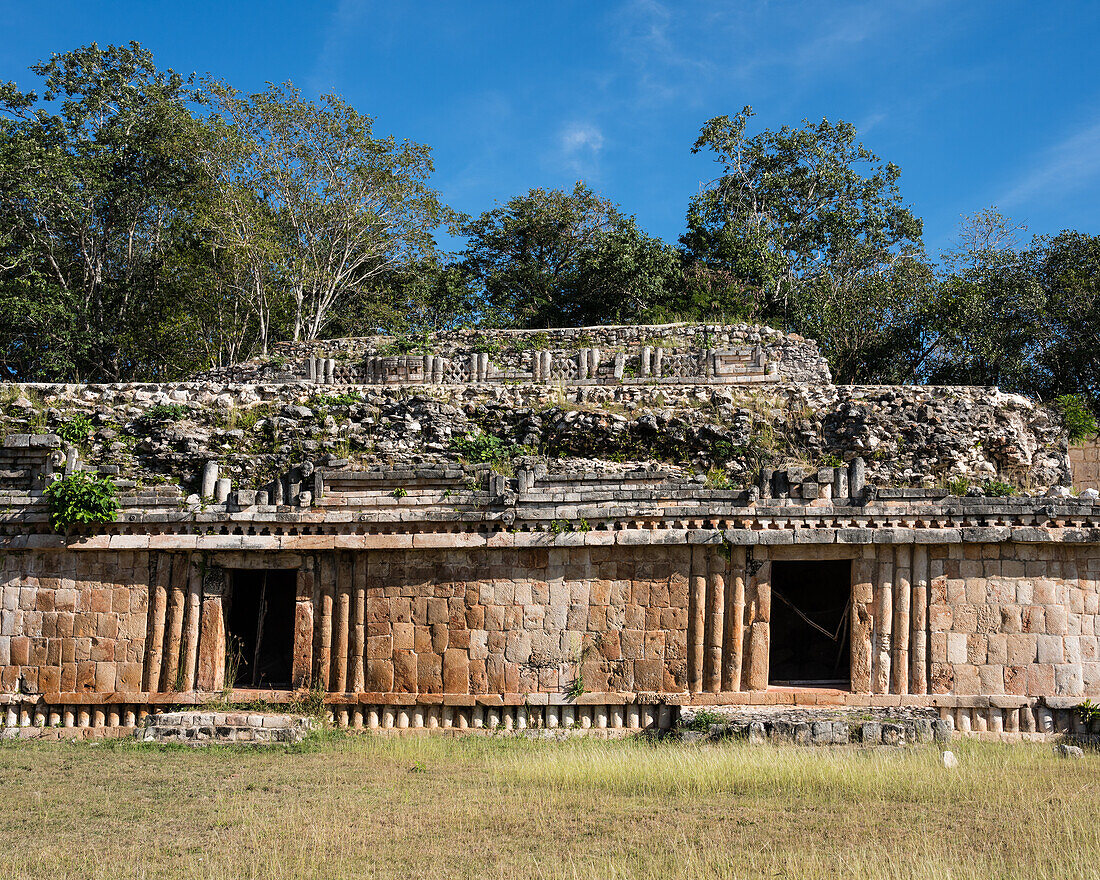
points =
(717, 478)
(75, 430)
(165, 412)
(1080, 420)
(958, 486)
(1088, 712)
(486, 448)
(81, 499)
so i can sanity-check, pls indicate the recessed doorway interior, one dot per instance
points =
(259, 641)
(810, 623)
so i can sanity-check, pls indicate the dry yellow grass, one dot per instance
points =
(362, 806)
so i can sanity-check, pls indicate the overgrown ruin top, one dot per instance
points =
(710, 403)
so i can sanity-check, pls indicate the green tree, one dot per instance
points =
(874, 329)
(1068, 268)
(991, 326)
(93, 173)
(806, 209)
(428, 296)
(313, 206)
(624, 277)
(551, 258)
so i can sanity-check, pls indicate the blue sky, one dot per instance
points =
(980, 103)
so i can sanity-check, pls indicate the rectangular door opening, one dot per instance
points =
(259, 640)
(810, 613)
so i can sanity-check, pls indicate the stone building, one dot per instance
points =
(572, 528)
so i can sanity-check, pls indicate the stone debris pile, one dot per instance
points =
(808, 726)
(203, 728)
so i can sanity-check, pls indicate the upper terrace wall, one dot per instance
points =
(667, 354)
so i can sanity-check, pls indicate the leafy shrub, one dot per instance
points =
(530, 342)
(165, 412)
(998, 489)
(1080, 420)
(486, 448)
(485, 345)
(406, 344)
(958, 486)
(81, 499)
(704, 719)
(75, 430)
(1088, 711)
(323, 401)
(717, 478)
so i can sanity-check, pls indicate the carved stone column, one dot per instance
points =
(302, 664)
(211, 672)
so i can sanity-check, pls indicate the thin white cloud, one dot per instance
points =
(1063, 167)
(872, 120)
(848, 30)
(337, 34)
(578, 138)
(579, 145)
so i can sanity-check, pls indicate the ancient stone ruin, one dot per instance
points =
(595, 529)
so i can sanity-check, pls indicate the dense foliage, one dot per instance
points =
(81, 499)
(152, 225)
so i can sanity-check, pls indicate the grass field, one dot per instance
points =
(362, 806)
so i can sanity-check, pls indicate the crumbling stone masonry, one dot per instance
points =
(418, 590)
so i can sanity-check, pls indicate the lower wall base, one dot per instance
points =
(35, 717)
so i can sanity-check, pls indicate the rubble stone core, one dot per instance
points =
(533, 593)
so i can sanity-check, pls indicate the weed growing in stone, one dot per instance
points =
(165, 412)
(1089, 712)
(75, 429)
(81, 499)
(717, 478)
(1080, 420)
(704, 719)
(958, 486)
(486, 448)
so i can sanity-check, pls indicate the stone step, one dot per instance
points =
(215, 728)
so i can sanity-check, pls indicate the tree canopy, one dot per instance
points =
(551, 258)
(153, 224)
(96, 172)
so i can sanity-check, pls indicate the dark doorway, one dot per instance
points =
(809, 623)
(259, 641)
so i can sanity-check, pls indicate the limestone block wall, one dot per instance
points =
(1084, 460)
(671, 353)
(72, 622)
(496, 622)
(1015, 619)
(960, 620)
